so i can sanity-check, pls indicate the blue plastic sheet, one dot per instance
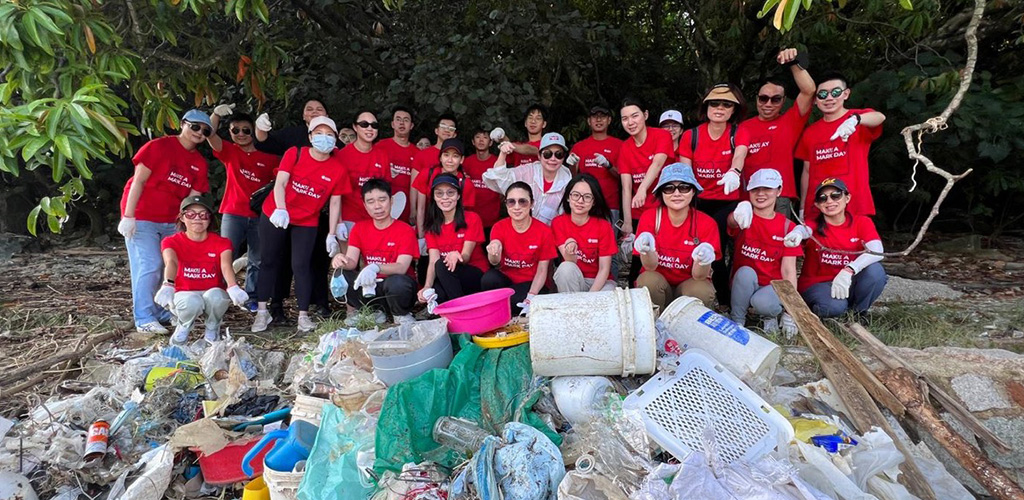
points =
(523, 465)
(332, 471)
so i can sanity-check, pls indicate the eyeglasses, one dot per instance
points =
(446, 193)
(190, 215)
(835, 195)
(243, 131)
(511, 202)
(823, 94)
(672, 188)
(671, 125)
(721, 104)
(447, 128)
(402, 120)
(775, 99)
(585, 197)
(548, 154)
(196, 127)
(365, 124)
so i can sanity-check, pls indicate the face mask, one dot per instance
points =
(323, 143)
(339, 285)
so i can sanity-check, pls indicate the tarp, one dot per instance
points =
(488, 386)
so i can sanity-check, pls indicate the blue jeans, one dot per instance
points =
(746, 292)
(244, 236)
(147, 267)
(866, 287)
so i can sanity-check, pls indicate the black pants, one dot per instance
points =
(454, 284)
(396, 294)
(321, 265)
(302, 243)
(634, 263)
(720, 210)
(494, 279)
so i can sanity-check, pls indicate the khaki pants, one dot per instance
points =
(189, 305)
(662, 294)
(569, 279)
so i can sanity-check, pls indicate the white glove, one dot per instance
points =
(841, 285)
(431, 295)
(731, 181)
(423, 246)
(333, 247)
(525, 305)
(797, 236)
(367, 277)
(644, 243)
(743, 215)
(497, 134)
(788, 325)
(398, 202)
(507, 147)
(601, 161)
(223, 110)
(626, 247)
(846, 129)
(572, 159)
(263, 123)
(342, 231)
(238, 296)
(280, 218)
(164, 296)
(126, 227)
(703, 254)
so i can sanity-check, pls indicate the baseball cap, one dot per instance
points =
(195, 200)
(196, 116)
(678, 172)
(721, 92)
(672, 115)
(552, 139)
(765, 178)
(453, 143)
(322, 120)
(446, 178)
(833, 183)
(600, 109)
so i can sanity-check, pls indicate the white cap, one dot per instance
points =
(322, 120)
(766, 177)
(672, 115)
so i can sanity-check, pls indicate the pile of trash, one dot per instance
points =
(589, 398)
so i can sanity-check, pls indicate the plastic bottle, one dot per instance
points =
(459, 434)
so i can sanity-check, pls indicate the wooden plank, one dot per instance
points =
(862, 409)
(889, 358)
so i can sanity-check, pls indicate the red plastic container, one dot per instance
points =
(477, 313)
(225, 466)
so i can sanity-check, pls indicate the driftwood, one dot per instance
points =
(44, 364)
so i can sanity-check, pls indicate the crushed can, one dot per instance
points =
(96, 442)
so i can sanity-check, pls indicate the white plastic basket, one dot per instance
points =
(677, 406)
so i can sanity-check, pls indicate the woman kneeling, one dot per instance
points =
(455, 241)
(585, 238)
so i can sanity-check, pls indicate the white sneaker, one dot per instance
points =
(305, 324)
(770, 325)
(180, 336)
(261, 322)
(405, 319)
(152, 328)
(789, 326)
(212, 335)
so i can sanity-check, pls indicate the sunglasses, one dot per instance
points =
(586, 198)
(365, 124)
(775, 99)
(835, 195)
(823, 94)
(672, 188)
(243, 131)
(548, 154)
(721, 104)
(196, 127)
(190, 215)
(511, 202)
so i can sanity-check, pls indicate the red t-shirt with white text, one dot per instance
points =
(611, 185)
(675, 245)
(772, 144)
(594, 239)
(247, 171)
(311, 184)
(400, 167)
(635, 160)
(426, 158)
(451, 240)
(843, 160)
(821, 265)
(521, 252)
(361, 168)
(198, 261)
(488, 203)
(384, 246)
(516, 159)
(712, 159)
(425, 178)
(174, 173)
(761, 247)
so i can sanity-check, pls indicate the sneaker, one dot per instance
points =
(180, 336)
(240, 264)
(305, 324)
(152, 328)
(261, 322)
(405, 319)
(789, 327)
(211, 335)
(252, 306)
(770, 325)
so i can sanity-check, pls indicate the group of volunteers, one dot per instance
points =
(707, 212)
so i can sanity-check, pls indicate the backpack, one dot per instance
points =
(259, 196)
(694, 132)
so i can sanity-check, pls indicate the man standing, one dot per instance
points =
(837, 146)
(444, 129)
(672, 121)
(597, 155)
(401, 153)
(488, 203)
(536, 122)
(276, 142)
(774, 134)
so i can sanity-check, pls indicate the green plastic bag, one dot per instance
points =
(488, 386)
(332, 468)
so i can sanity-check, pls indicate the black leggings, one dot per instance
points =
(494, 279)
(452, 285)
(273, 241)
(720, 210)
(396, 294)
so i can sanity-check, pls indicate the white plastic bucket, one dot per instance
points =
(308, 408)
(593, 333)
(284, 485)
(746, 354)
(577, 398)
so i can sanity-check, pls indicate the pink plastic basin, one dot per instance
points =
(477, 313)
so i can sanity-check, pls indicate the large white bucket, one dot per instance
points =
(593, 333)
(284, 485)
(746, 354)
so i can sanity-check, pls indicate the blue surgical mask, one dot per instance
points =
(323, 143)
(339, 285)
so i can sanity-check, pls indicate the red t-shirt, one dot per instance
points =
(426, 177)
(361, 168)
(843, 160)
(246, 172)
(611, 185)
(772, 144)
(516, 159)
(594, 239)
(174, 173)
(521, 252)
(712, 159)
(426, 158)
(198, 261)
(635, 160)
(488, 203)
(400, 160)
(451, 240)
(760, 247)
(384, 246)
(310, 186)
(675, 245)
(822, 265)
